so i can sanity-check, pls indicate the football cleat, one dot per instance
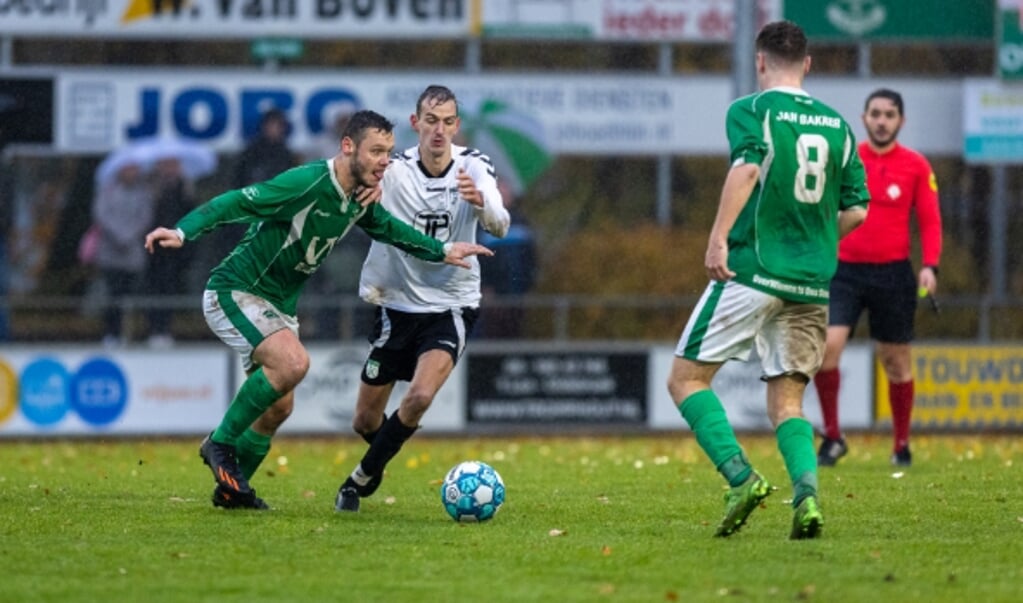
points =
(902, 457)
(740, 502)
(347, 497)
(222, 462)
(225, 499)
(830, 451)
(807, 521)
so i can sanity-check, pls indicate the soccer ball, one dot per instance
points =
(472, 491)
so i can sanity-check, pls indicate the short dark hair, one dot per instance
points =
(782, 40)
(364, 120)
(436, 95)
(889, 94)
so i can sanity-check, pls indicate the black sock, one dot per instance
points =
(372, 435)
(389, 440)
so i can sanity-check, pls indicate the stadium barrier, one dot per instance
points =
(498, 387)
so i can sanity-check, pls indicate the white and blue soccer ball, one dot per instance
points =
(472, 491)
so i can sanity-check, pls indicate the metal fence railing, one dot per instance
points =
(979, 318)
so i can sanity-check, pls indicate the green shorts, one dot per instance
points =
(731, 318)
(243, 320)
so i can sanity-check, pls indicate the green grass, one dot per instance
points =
(586, 519)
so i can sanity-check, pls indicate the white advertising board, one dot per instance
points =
(91, 391)
(220, 19)
(572, 114)
(325, 400)
(992, 121)
(634, 20)
(100, 110)
(744, 395)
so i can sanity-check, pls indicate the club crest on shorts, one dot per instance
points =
(372, 369)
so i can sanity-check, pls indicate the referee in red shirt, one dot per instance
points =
(875, 273)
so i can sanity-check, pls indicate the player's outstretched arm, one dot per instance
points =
(164, 237)
(455, 253)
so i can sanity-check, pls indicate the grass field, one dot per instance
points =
(586, 519)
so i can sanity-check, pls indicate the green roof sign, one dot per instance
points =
(894, 20)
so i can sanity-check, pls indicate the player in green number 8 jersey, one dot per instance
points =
(794, 187)
(296, 218)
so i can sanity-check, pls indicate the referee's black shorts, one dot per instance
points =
(886, 291)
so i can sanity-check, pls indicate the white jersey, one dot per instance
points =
(397, 280)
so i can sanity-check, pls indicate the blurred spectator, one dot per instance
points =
(509, 273)
(123, 211)
(265, 155)
(6, 220)
(173, 198)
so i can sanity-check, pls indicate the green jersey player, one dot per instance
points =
(795, 186)
(295, 219)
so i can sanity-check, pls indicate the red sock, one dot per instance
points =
(827, 383)
(901, 397)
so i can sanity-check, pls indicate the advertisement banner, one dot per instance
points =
(744, 395)
(632, 20)
(962, 387)
(100, 110)
(992, 121)
(1010, 40)
(90, 391)
(557, 387)
(219, 19)
(325, 400)
(895, 20)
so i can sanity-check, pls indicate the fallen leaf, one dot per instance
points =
(308, 494)
(556, 532)
(671, 596)
(605, 551)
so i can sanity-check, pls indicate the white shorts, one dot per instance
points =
(731, 318)
(243, 320)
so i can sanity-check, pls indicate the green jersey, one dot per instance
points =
(785, 240)
(296, 218)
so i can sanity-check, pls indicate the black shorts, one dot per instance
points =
(400, 338)
(886, 291)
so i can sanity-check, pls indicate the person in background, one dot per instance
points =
(875, 273)
(165, 275)
(508, 274)
(123, 211)
(295, 219)
(425, 311)
(795, 186)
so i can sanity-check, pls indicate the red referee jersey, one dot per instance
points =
(900, 182)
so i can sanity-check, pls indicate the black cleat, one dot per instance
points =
(225, 499)
(830, 451)
(347, 497)
(902, 457)
(224, 465)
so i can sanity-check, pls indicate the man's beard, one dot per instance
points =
(879, 142)
(359, 172)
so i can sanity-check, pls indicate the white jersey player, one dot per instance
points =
(424, 311)
(433, 205)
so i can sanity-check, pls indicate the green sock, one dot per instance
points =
(251, 448)
(255, 396)
(795, 441)
(706, 417)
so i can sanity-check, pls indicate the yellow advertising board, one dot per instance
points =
(961, 386)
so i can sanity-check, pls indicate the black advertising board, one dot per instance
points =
(575, 387)
(26, 110)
